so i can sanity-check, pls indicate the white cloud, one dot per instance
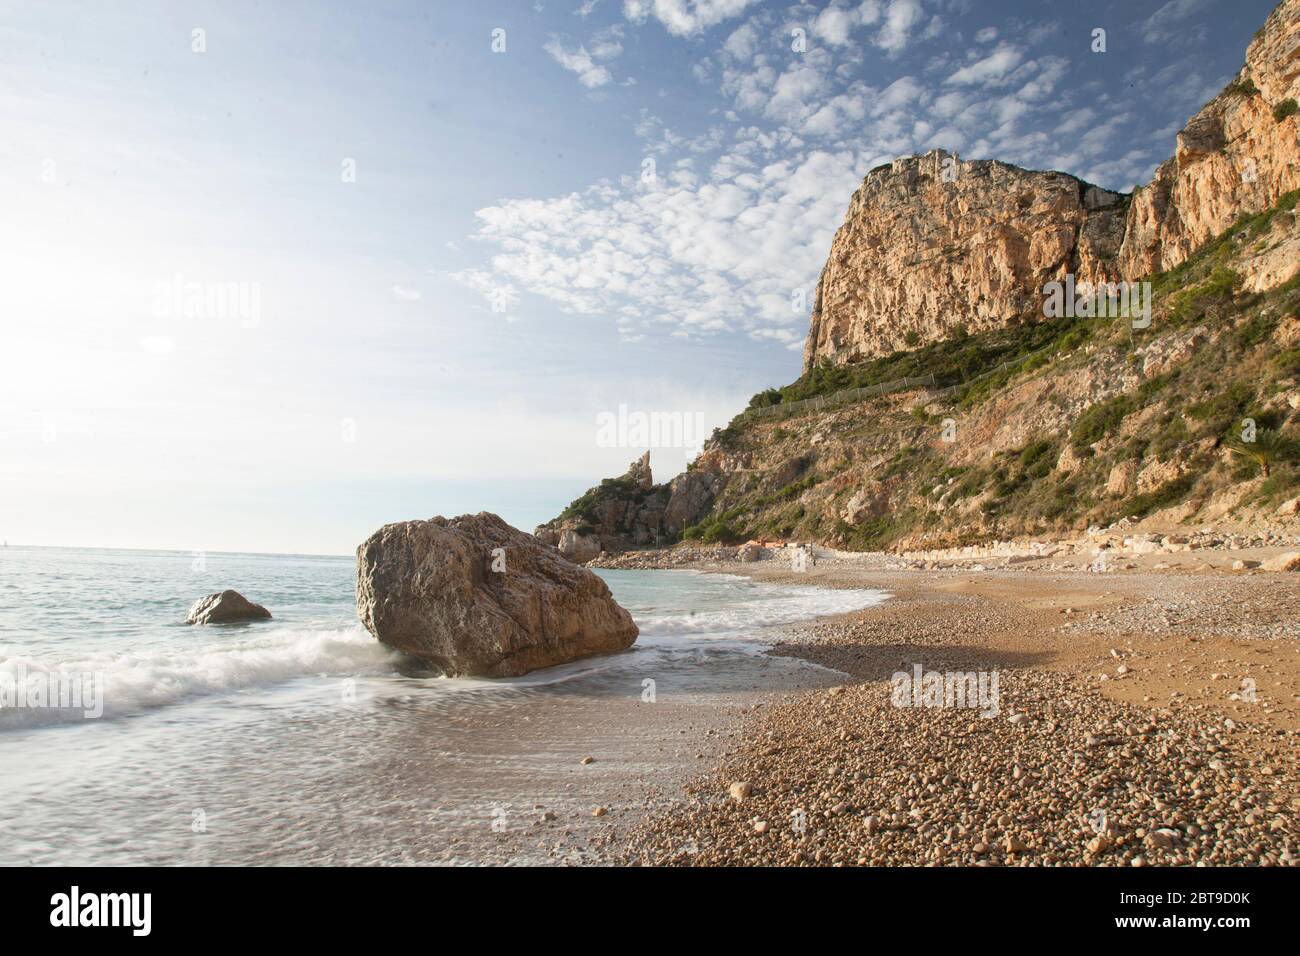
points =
(743, 42)
(902, 16)
(685, 254)
(607, 44)
(406, 294)
(685, 17)
(737, 218)
(1163, 26)
(835, 24)
(578, 61)
(990, 70)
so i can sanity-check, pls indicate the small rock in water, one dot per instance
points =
(599, 812)
(587, 760)
(226, 607)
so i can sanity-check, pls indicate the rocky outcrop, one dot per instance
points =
(226, 607)
(638, 474)
(932, 244)
(690, 495)
(473, 596)
(629, 512)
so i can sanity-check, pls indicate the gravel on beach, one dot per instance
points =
(1119, 739)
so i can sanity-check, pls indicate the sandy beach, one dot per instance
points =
(1145, 718)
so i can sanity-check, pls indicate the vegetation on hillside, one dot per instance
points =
(1183, 425)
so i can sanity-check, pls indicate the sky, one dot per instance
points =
(275, 274)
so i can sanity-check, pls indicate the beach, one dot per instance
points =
(764, 717)
(1145, 718)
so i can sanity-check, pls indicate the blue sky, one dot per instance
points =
(319, 266)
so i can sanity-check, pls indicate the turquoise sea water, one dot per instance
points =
(262, 725)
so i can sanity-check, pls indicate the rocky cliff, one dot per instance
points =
(1238, 155)
(932, 244)
(939, 406)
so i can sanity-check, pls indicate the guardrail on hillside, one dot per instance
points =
(848, 396)
(845, 396)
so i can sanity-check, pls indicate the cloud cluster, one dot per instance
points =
(725, 228)
(685, 18)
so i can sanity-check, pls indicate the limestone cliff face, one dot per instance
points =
(1233, 158)
(931, 243)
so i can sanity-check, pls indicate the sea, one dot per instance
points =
(128, 737)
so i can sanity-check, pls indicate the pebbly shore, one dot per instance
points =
(1144, 718)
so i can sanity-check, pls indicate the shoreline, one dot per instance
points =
(1119, 740)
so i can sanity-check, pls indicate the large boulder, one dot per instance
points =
(475, 597)
(226, 607)
(1290, 561)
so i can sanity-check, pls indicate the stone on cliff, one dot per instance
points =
(226, 607)
(639, 473)
(618, 514)
(578, 548)
(1122, 479)
(473, 596)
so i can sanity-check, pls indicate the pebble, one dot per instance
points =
(740, 791)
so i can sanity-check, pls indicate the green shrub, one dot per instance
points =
(1034, 452)
(1284, 109)
(1100, 420)
(1170, 493)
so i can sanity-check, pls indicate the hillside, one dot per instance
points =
(941, 405)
